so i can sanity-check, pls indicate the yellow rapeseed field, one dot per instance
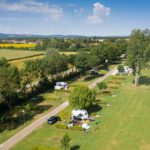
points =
(18, 45)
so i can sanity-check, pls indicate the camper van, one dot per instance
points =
(80, 114)
(61, 85)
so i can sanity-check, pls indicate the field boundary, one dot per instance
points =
(13, 59)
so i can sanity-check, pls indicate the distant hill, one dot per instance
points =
(23, 36)
(16, 36)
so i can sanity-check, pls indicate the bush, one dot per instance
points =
(61, 126)
(102, 85)
(64, 115)
(120, 68)
(77, 128)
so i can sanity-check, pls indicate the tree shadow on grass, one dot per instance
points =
(144, 80)
(94, 109)
(22, 118)
(75, 147)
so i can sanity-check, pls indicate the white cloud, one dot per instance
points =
(99, 13)
(31, 6)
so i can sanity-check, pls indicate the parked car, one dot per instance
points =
(53, 119)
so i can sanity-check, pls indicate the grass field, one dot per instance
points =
(125, 125)
(20, 62)
(14, 54)
(50, 99)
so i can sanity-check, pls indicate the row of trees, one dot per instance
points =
(15, 83)
(79, 44)
(103, 54)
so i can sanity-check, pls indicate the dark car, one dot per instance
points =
(53, 119)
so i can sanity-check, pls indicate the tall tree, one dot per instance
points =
(81, 61)
(9, 84)
(82, 97)
(138, 54)
(29, 73)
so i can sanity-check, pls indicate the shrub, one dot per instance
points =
(77, 128)
(65, 115)
(61, 126)
(102, 85)
(120, 68)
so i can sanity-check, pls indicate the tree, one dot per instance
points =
(102, 85)
(93, 61)
(29, 73)
(121, 68)
(9, 84)
(82, 97)
(122, 45)
(81, 61)
(65, 142)
(138, 54)
(4, 62)
(57, 62)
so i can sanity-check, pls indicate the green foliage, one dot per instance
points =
(76, 128)
(106, 51)
(4, 62)
(65, 142)
(9, 84)
(82, 97)
(138, 54)
(65, 115)
(81, 61)
(121, 68)
(61, 126)
(102, 85)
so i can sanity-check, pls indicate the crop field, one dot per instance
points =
(124, 125)
(17, 45)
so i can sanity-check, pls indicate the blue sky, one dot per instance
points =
(82, 17)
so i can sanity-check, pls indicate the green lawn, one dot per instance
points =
(49, 100)
(125, 125)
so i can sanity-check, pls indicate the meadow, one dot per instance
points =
(123, 125)
(15, 54)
